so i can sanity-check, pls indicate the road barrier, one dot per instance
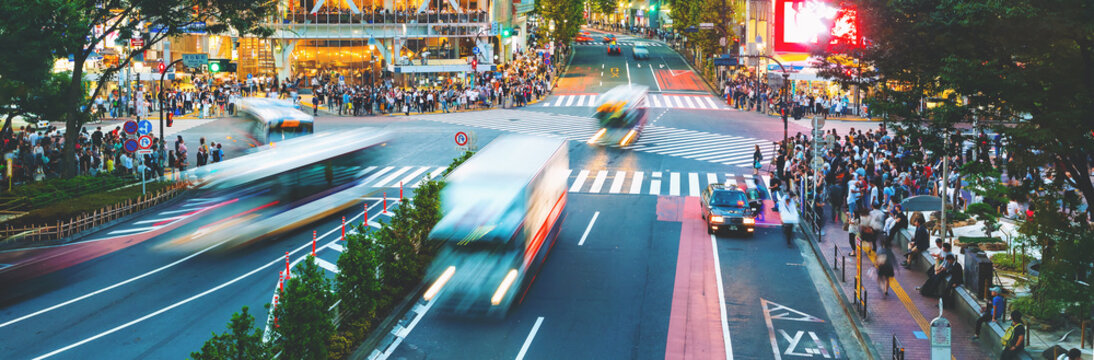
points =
(88, 221)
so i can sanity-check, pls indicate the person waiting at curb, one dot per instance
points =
(991, 313)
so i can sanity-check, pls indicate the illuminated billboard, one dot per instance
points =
(803, 24)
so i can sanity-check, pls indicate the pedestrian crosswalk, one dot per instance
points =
(673, 101)
(689, 144)
(624, 43)
(656, 182)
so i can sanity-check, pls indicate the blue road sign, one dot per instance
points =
(131, 145)
(475, 50)
(130, 127)
(249, 76)
(144, 127)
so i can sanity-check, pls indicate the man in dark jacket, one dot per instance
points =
(920, 242)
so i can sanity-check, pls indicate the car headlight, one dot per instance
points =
(749, 221)
(717, 219)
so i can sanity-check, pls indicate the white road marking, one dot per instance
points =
(674, 184)
(133, 230)
(598, 183)
(385, 182)
(580, 100)
(655, 184)
(433, 176)
(172, 306)
(559, 101)
(579, 181)
(653, 99)
(337, 247)
(655, 82)
(628, 73)
(688, 100)
(406, 180)
(721, 298)
(693, 184)
(588, 228)
(712, 178)
(617, 182)
(636, 182)
(153, 221)
(528, 341)
(326, 265)
(569, 100)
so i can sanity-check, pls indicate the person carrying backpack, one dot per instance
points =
(1014, 339)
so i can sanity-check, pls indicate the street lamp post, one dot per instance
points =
(785, 95)
(163, 96)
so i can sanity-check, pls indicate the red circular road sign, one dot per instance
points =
(145, 142)
(461, 138)
(131, 145)
(130, 127)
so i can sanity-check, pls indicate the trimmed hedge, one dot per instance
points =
(72, 207)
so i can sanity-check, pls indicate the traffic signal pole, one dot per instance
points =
(163, 97)
(785, 97)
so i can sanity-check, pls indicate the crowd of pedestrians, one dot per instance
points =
(527, 78)
(36, 154)
(750, 94)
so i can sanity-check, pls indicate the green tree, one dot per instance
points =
(304, 321)
(1023, 68)
(603, 6)
(724, 14)
(51, 29)
(242, 341)
(566, 15)
(358, 280)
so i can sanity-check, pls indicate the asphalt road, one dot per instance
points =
(641, 281)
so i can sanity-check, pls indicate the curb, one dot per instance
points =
(857, 325)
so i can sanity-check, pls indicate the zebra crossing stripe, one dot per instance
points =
(569, 100)
(730, 176)
(326, 265)
(617, 182)
(592, 100)
(674, 184)
(655, 184)
(580, 100)
(693, 184)
(377, 174)
(767, 179)
(391, 178)
(712, 178)
(581, 176)
(653, 99)
(598, 183)
(713, 105)
(336, 247)
(687, 99)
(636, 182)
(433, 176)
(366, 171)
(414, 174)
(559, 101)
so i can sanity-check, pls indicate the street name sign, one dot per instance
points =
(194, 60)
(706, 26)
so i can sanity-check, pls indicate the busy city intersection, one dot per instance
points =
(677, 179)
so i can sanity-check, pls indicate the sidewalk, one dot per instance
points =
(904, 313)
(306, 106)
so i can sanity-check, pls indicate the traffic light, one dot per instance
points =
(218, 65)
(653, 8)
(161, 68)
(170, 118)
(506, 32)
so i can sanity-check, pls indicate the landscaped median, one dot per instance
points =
(316, 318)
(57, 209)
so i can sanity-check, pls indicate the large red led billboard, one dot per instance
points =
(801, 25)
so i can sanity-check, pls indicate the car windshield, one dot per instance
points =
(728, 198)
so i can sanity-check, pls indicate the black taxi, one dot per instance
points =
(726, 207)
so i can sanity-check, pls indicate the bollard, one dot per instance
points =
(864, 297)
(313, 243)
(843, 270)
(400, 191)
(364, 222)
(835, 252)
(280, 285)
(385, 202)
(856, 297)
(1082, 335)
(343, 228)
(287, 273)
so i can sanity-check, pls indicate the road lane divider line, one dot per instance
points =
(153, 221)
(183, 302)
(528, 340)
(133, 230)
(721, 298)
(588, 228)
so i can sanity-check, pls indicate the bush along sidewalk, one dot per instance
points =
(378, 268)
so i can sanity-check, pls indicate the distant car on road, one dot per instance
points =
(614, 49)
(726, 207)
(609, 38)
(641, 52)
(583, 38)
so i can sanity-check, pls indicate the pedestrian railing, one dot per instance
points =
(898, 349)
(87, 221)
